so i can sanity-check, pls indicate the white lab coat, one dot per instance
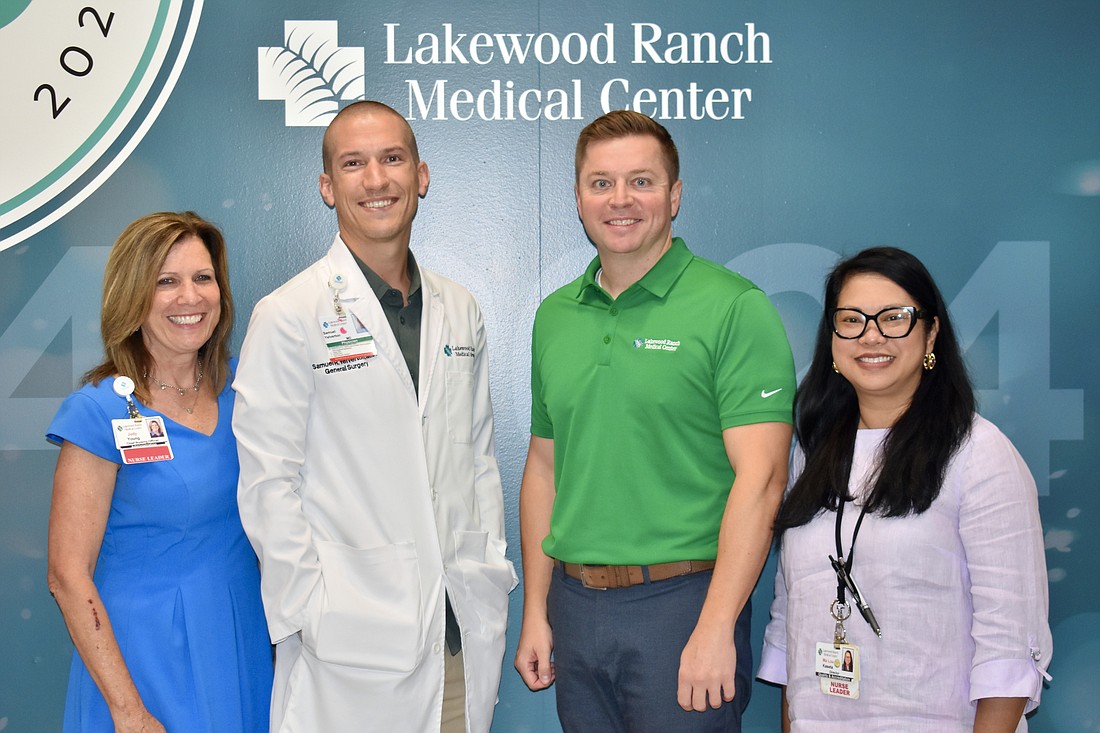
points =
(365, 505)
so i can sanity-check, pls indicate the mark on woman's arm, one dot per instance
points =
(95, 614)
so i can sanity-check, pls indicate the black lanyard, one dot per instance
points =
(843, 570)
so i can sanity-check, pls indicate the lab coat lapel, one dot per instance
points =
(362, 302)
(431, 336)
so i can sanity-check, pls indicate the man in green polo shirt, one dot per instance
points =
(661, 390)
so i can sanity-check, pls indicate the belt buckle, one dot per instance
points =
(606, 577)
(585, 569)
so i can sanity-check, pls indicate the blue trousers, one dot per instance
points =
(617, 657)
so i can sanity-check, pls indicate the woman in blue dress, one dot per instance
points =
(157, 583)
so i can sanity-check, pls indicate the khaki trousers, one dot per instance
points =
(454, 695)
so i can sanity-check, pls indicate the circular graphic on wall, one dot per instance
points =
(83, 83)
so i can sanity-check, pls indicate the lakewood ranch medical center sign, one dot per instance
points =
(87, 78)
(312, 73)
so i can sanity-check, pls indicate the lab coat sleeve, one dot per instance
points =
(487, 483)
(274, 386)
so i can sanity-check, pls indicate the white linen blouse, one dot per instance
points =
(960, 592)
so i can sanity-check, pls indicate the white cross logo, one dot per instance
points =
(310, 72)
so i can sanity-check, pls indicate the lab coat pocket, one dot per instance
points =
(460, 405)
(370, 615)
(487, 578)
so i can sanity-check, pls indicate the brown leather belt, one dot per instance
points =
(604, 577)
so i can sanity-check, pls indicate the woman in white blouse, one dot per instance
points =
(910, 536)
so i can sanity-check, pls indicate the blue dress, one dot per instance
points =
(177, 575)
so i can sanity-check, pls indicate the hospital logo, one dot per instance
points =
(657, 344)
(310, 73)
(466, 351)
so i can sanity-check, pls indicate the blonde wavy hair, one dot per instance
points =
(129, 282)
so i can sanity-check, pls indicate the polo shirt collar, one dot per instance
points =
(380, 286)
(658, 281)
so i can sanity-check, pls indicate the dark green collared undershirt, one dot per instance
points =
(404, 321)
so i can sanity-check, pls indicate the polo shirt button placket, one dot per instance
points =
(611, 323)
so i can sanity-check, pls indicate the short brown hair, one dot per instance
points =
(365, 106)
(625, 123)
(129, 282)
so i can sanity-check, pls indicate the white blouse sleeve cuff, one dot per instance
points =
(1008, 678)
(773, 665)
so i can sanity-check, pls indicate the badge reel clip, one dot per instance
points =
(124, 388)
(840, 613)
(338, 284)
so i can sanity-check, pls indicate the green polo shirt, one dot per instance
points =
(635, 393)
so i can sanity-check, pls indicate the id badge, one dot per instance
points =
(347, 338)
(837, 669)
(142, 440)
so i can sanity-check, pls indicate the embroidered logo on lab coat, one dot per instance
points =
(467, 351)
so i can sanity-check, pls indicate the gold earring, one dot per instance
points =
(929, 361)
(835, 369)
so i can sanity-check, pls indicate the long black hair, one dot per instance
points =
(925, 437)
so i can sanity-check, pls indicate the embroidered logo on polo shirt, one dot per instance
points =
(656, 344)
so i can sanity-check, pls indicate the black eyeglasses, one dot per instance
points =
(893, 323)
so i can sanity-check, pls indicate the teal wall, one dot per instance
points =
(968, 133)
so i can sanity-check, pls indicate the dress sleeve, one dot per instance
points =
(1003, 540)
(81, 421)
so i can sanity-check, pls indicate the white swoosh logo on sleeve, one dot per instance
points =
(766, 394)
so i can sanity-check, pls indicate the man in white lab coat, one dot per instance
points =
(369, 485)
